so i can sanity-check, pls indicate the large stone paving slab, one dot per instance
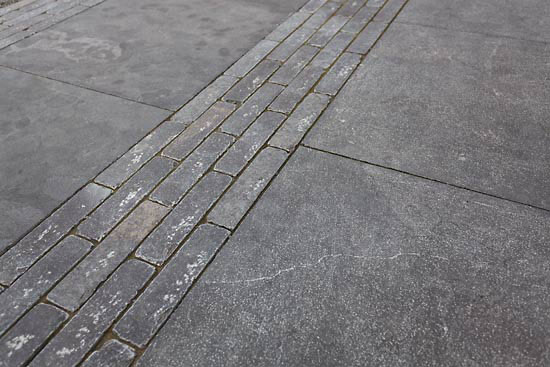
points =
(462, 108)
(161, 52)
(54, 138)
(341, 263)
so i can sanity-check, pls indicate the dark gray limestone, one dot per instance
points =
(294, 65)
(345, 264)
(248, 85)
(251, 58)
(300, 86)
(350, 7)
(112, 354)
(359, 20)
(328, 30)
(338, 74)
(288, 26)
(321, 15)
(390, 10)
(366, 39)
(340, 41)
(291, 44)
(312, 6)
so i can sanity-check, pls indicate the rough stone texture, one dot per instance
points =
(338, 74)
(172, 189)
(291, 44)
(185, 216)
(366, 39)
(161, 297)
(81, 283)
(288, 26)
(359, 20)
(20, 257)
(345, 264)
(242, 194)
(248, 85)
(389, 11)
(325, 58)
(251, 58)
(198, 131)
(72, 343)
(312, 6)
(251, 109)
(328, 30)
(112, 354)
(340, 41)
(291, 96)
(19, 344)
(32, 285)
(250, 143)
(350, 7)
(294, 65)
(320, 16)
(446, 105)
(124, 200)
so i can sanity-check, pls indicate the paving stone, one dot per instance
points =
(39, 26)
(350, 8)
(158, 301)
(27, 14)
(112, 354)
(80, 283)
(294, 65)
(12, 39)
(27, 8)
(32, 285)
(291, 44)
(327, 31)
(312, 5)
(142, 152)
(288, 26)
(340, 41)
(359, 20)
(76, 339)
(172, 189)
(295, 127)
(325, 58)
(108, 214)
(250, 143)
(206, 98)
(242, 194)
(338, 74)
(296, 90)
(251, 109)
(91, 3)
(367, 38)
(321, 15)
(248, 85)
(21, 256)
(29, 334)
(198, 131)
(15, 6)
(185, 216)
(251, 58)
(389, 11)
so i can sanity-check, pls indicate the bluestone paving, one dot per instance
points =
(321, 15)
(389, 11)
(288, 26)
(112, 354)
(312, 6)
(328, 30)
(340, 41)
(360, 19)
(350, 7)
(291, 44)
(253, 80)
(294, 65)
(366, 39)
(333, 80)
(297, 89)
(251, 58)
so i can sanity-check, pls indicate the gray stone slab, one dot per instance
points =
(156, 304)
(108, 214)
(81, 283)
(42, 238)
(326, 57)
(294, 65)
(300, 86)
(351, 7)
(327, 31)
(474, 112)
(251, 58)
(340, 41)
(185, 216)
(291, 44)
(249, 84)
(250, 143)
(367, 38)
(321, 15)
(234, 205)
(191, 138)
(19, 344)
(172, 189)
(338, 74)
(390, 10)
(55, 138)
(237, 123)
(24, 293)
(288, 26)
(359, 20)
(345, 264)
(312, 5)
(112, 354)
(71, 344)
(161, 52)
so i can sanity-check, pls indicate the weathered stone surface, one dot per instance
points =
(248, 85)
(112, 354)
(328, 30)
(389, 11)
(325, 58)
(27, 336)
(340, 41)
(81, 283)
(288, 26)
(251, 109)
(321, 15)
(338, 74)
(366, 39)
(359, 20)
(185, 216)
(124, 200)
(161, 297)
(250, 143)
(32, 285)
(289, 98)
(294, 65)
(251, 58)
(350, 7)
(72, 343)
(312, 5)
(291, 44)
(241, 196)
(198, 131)
(20, 257)
(172, 189)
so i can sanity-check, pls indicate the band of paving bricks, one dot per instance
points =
(99, 277)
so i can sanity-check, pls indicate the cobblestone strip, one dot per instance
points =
(112, 354)
(249, 84)
(338, 74)
(294, 65)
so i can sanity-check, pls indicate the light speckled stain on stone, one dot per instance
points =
(112, 354)
(338, 74)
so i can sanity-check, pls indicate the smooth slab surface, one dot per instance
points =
(344, 264)
(161, 52)
(458, 107)
(53, 139)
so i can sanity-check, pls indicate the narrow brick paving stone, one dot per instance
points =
(312, 5)
(198, 131)
(108, 214)
(288, 26)
(338, 74)
(327, 31)
(25, 253)
(242, 194)
(172, 189)
(251, 58)
(71, 344)
(142, 152)
(250, 143)
(164, 293)
(340, 41)
(112, 354)
(389, 11)
(26, 291)
(183, 218)
(321, 15)
(360, 19)
(27, 336)
(80, 283)
(350, 7)
(291, 44)
(366, 39)
(295, 127)
(294, 65)
(248, 85)
(251, 109)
